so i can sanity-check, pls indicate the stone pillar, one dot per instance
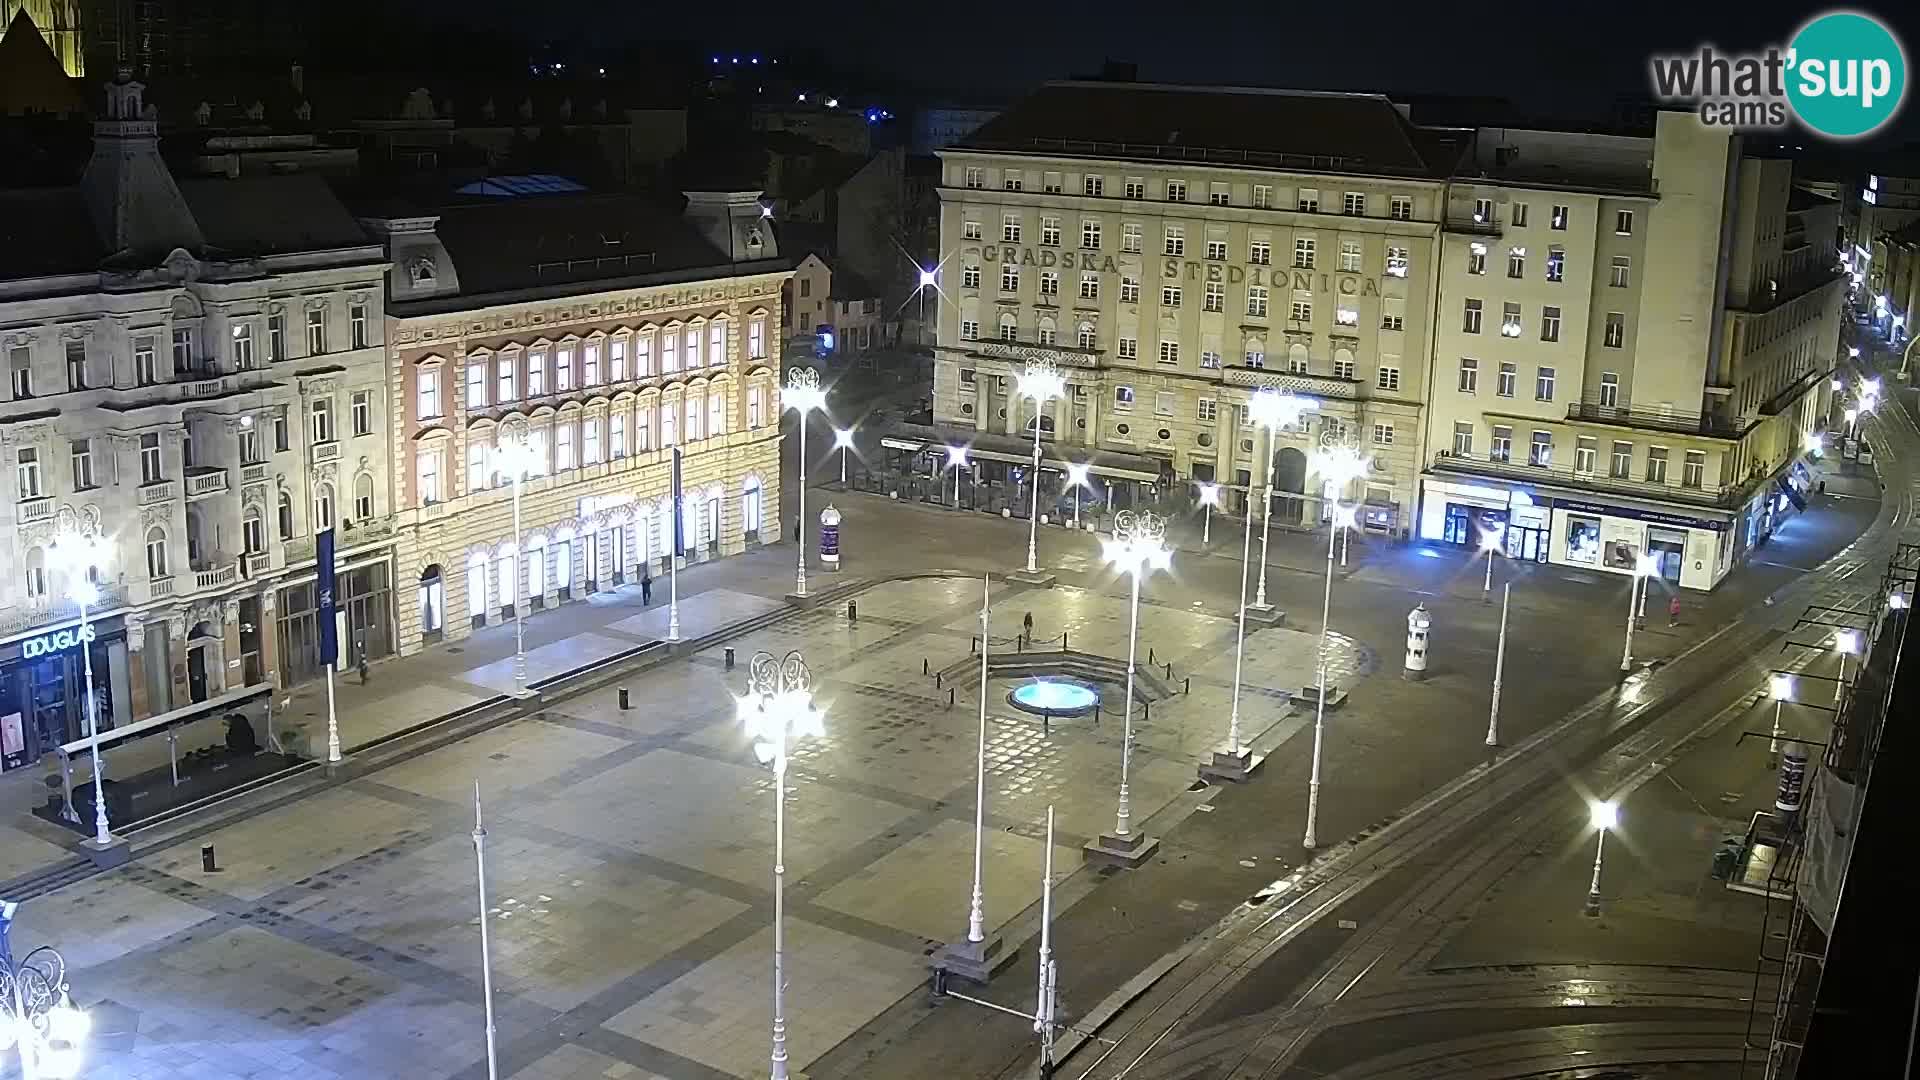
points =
(270, 637)
(136, 668)
(177, 645)
(231, 676)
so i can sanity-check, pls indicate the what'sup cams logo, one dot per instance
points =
(1843, 76)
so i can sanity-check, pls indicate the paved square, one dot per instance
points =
(266, 852)
(503, 759)
(923, 887)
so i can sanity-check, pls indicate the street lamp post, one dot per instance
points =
(514, 455)
(1499, 666)
(776, 710)
(486, 945)
(843, 442)
(37, 1015)
(957, 458)
(1605, 815)
(1138, 547)
(1643, 565)
(1489, 543)
(78, 553)
(976, 958)
(1272, 410)
(1780, 688)
(1077, 479)
(1339, 463)
(1042, 382)
(1237, 759)
(803, 395)
(1845, 643)
(1209, 498)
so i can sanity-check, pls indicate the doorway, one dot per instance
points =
(1289, 484)
(433, 605)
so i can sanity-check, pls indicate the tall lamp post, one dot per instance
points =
(974, 957)
(515, 457)
(1209, 498)
(486, 944)
(843, 442)
(1042, 382)
(1845, 643)
(1236, 760)
(1643, 566)
(1138, 547)
(78, 553)
(1272, 410)
(37, 1015)
(1499, 666)
(803, 395)
(957, 460)
(1605, 815)
(776, 710)
(1490, 542)
(1077, 473)
(1780, 688)
(1339, 463)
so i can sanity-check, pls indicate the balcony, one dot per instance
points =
(35, 510)
(324, 452)
(156, 492)
(253, 474)
(1470, 223)
(1313, 385)
(1704, 424)
(206, 387)
(256, 564)
(218, 577)
(159, 587)
(1565, 476)
(203, 480)
(1021, 352)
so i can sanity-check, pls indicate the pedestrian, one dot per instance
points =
(646, 585)
(363, 663)
(1673, 610)
(1026, 624)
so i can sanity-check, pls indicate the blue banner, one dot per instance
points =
(329, 635)
(679, 532)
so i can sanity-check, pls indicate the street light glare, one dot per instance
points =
(956, 455)
(1489, 540)
(1606, 815)
(1646, 565)
(1210, 494)
(1344, 517)
(1077, 472)
(1847, 642)
(1897, 601)
(842, 437)
(927, 277)
(1277, 409)
(1781, 688)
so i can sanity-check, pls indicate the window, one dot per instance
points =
(322, 507)
(276, 338)
(1549, 324)
(1123, 398)
(1130, 237)
(1009, 329)
(1090, 235)
(1540, 453)
(1483, 211)
(1049, 283)
(1309, 201)
(1170, 296)
(971, 230)
(1163, 403)
(1462, 439)
(975, 177)
(1216, 297)
(1049, 232)
(1584, 451)
(1393, 320)
(1396, 261)
(1509, 319)
(694, 358)
(1128, 348)
(757, 339)
(182, 349)
(1517, 215)
(1260, 253)
(284, 515)
(969, 330)
(28, 472)
(1609, 389)
(429, 470)
(1009, 277)
(1216, 250)
(1469, 375)
(1342, 369)
(477, 477)
(1206, 410)
(146, 371)
(1129, 290)
(1623, 222)
(590, 358)
(1010, 229)
(77, 364)
(617, 354)
(427, 392)
(1346, 316)
(1476, 258)
(1656, 465)
(1219, 195)
(1093, 186)
(1616, 331)
(643, 356)
(1517, 262)
(1298, 363)
(360, 411)
(1262, 196)
(1501, 446)
(1622, 466)
(282, 430)
(1175, 241)
(970, 277)
(1257, 301)
(1504, 384)
(1087, 338)
(363, 490)
(316, 331)
(320, 420)
(1693, 473)
(1400, 208)
(1050, 183)
(1556, 263)
(1354, 205)
(1169, 352)
(1303, 253)
(357, 323)
(1301, 311)
(617, 429)
(1012, 181)
(1559, 220)
(1136, 188)
(1387, 378)
(253, 532)
(1543, 379)
(20, 362)
(1089, 286)
(82, 451)
(1621, 271)
(1210, 359)
(1044, 332)
(507, 392)
(1383, 434)
(1470, 321)
(1350, 256)
(1176, 191)
(151, 469)
(563, 437)
(157, 552)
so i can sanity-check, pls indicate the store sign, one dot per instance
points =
(1640, 515)
(58, 641)
(1343, 284)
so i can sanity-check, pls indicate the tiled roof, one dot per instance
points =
(270, 215)
(529, 242)
(1350, 133)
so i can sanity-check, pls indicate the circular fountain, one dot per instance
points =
(1055, 697)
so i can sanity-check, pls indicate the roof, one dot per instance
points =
(1799, 199)
(502, 245)
(31, 78)
(270, 215)
(45, 231)
(508, 187)
(1354, 133)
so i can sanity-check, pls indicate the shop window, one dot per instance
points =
(1583, 540)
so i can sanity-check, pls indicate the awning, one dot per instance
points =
(1798, 500)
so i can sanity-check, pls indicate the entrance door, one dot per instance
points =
(712, 525)
(1459, 526)
(1670, 548)
(433, 605)
(197, 673)
(1526, 542)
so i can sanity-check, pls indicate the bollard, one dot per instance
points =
(729, 658)
(949, 697)
(206, 859)
(936, 680)
(1020, 641)
(925, 668)
(1063, 641)
(1146, 710)
(853, 613)
(1169, 671)
(973, 645)
(1186, 685)
(1150, 661)
(624, 703)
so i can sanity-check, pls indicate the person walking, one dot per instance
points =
(646, 586)
(1026, 624)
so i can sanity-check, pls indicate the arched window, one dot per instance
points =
(157, 552)
(253, 530)
(37, 573)
(363, 496)
(1256, 352)
(1087, 339)
(1009, 327)
(1046, 331)
(285, 514)
(750, 504)
(322, 507)
(1297, 359)
(716, 411)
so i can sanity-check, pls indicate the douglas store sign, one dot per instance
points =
(58, 641)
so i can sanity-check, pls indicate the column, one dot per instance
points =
(270, 634)
(231, 677)
(177, 648)
(136, 669)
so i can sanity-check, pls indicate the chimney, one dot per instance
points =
(136, 208)
(736, 222)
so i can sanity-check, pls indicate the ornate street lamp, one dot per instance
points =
(1272, 410)
(515, 455)
(1042, 382)
(803, 395)
(78, 552)
(37, 1015)
(1138, 547)
(1339, 462)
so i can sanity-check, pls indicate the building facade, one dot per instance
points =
(1632, 349)
(652, 334)
(1173, 250)
(195, 373)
